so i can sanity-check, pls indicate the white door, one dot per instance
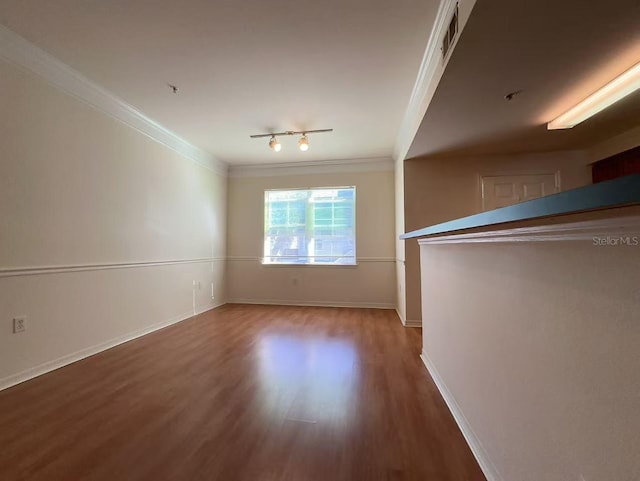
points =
(503, 190)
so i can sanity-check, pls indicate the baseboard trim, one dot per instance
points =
(474, 443)
(49, 366)
(283, 302)
(407, 322)
(413, 323)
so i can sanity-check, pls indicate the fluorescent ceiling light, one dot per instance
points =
(617, 89)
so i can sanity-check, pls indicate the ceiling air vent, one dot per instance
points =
(450, 35)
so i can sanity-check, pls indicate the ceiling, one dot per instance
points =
(246, 67)
(557, 52)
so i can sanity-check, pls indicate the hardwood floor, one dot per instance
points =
(241, 393)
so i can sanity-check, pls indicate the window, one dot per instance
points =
(314, 226)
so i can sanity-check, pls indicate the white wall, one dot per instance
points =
(79, 188)
(370, 283)
(442, 189)
(537, 344)
(401, 296)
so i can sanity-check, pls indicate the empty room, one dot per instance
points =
(355, 240)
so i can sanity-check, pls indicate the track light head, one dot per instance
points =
(274, 144)
(303, 143)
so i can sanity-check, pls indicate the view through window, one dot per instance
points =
(310, 226)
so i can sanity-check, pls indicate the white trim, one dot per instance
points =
(358, 261)
(38, 270)
(313, 266)
(575, 231)
(413, 323)
(377, 164)
(244, 258)
(407, 322)
(61, 269)
(18, 51)
(283, 302)
(487, 467)
(430, 72)
(49, 366)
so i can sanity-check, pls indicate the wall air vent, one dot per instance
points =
(450, 35)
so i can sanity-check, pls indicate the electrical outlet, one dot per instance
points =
(19, 325)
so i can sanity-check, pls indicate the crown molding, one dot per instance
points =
(430, 73)
(16, 50)
(377, 164)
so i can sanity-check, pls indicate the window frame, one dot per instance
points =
(309, 264)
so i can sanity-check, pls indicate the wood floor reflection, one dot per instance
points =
(263, 393)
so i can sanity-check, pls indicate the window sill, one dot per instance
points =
(331, 266)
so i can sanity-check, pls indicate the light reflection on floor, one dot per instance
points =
(308, 380)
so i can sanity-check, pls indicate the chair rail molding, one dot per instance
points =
(18, 51)
(60, 269)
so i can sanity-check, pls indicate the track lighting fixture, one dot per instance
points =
(274, 144)
(303, 143)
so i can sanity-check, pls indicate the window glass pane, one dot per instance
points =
(313, 226)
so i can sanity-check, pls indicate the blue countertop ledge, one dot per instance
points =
(619, 192)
